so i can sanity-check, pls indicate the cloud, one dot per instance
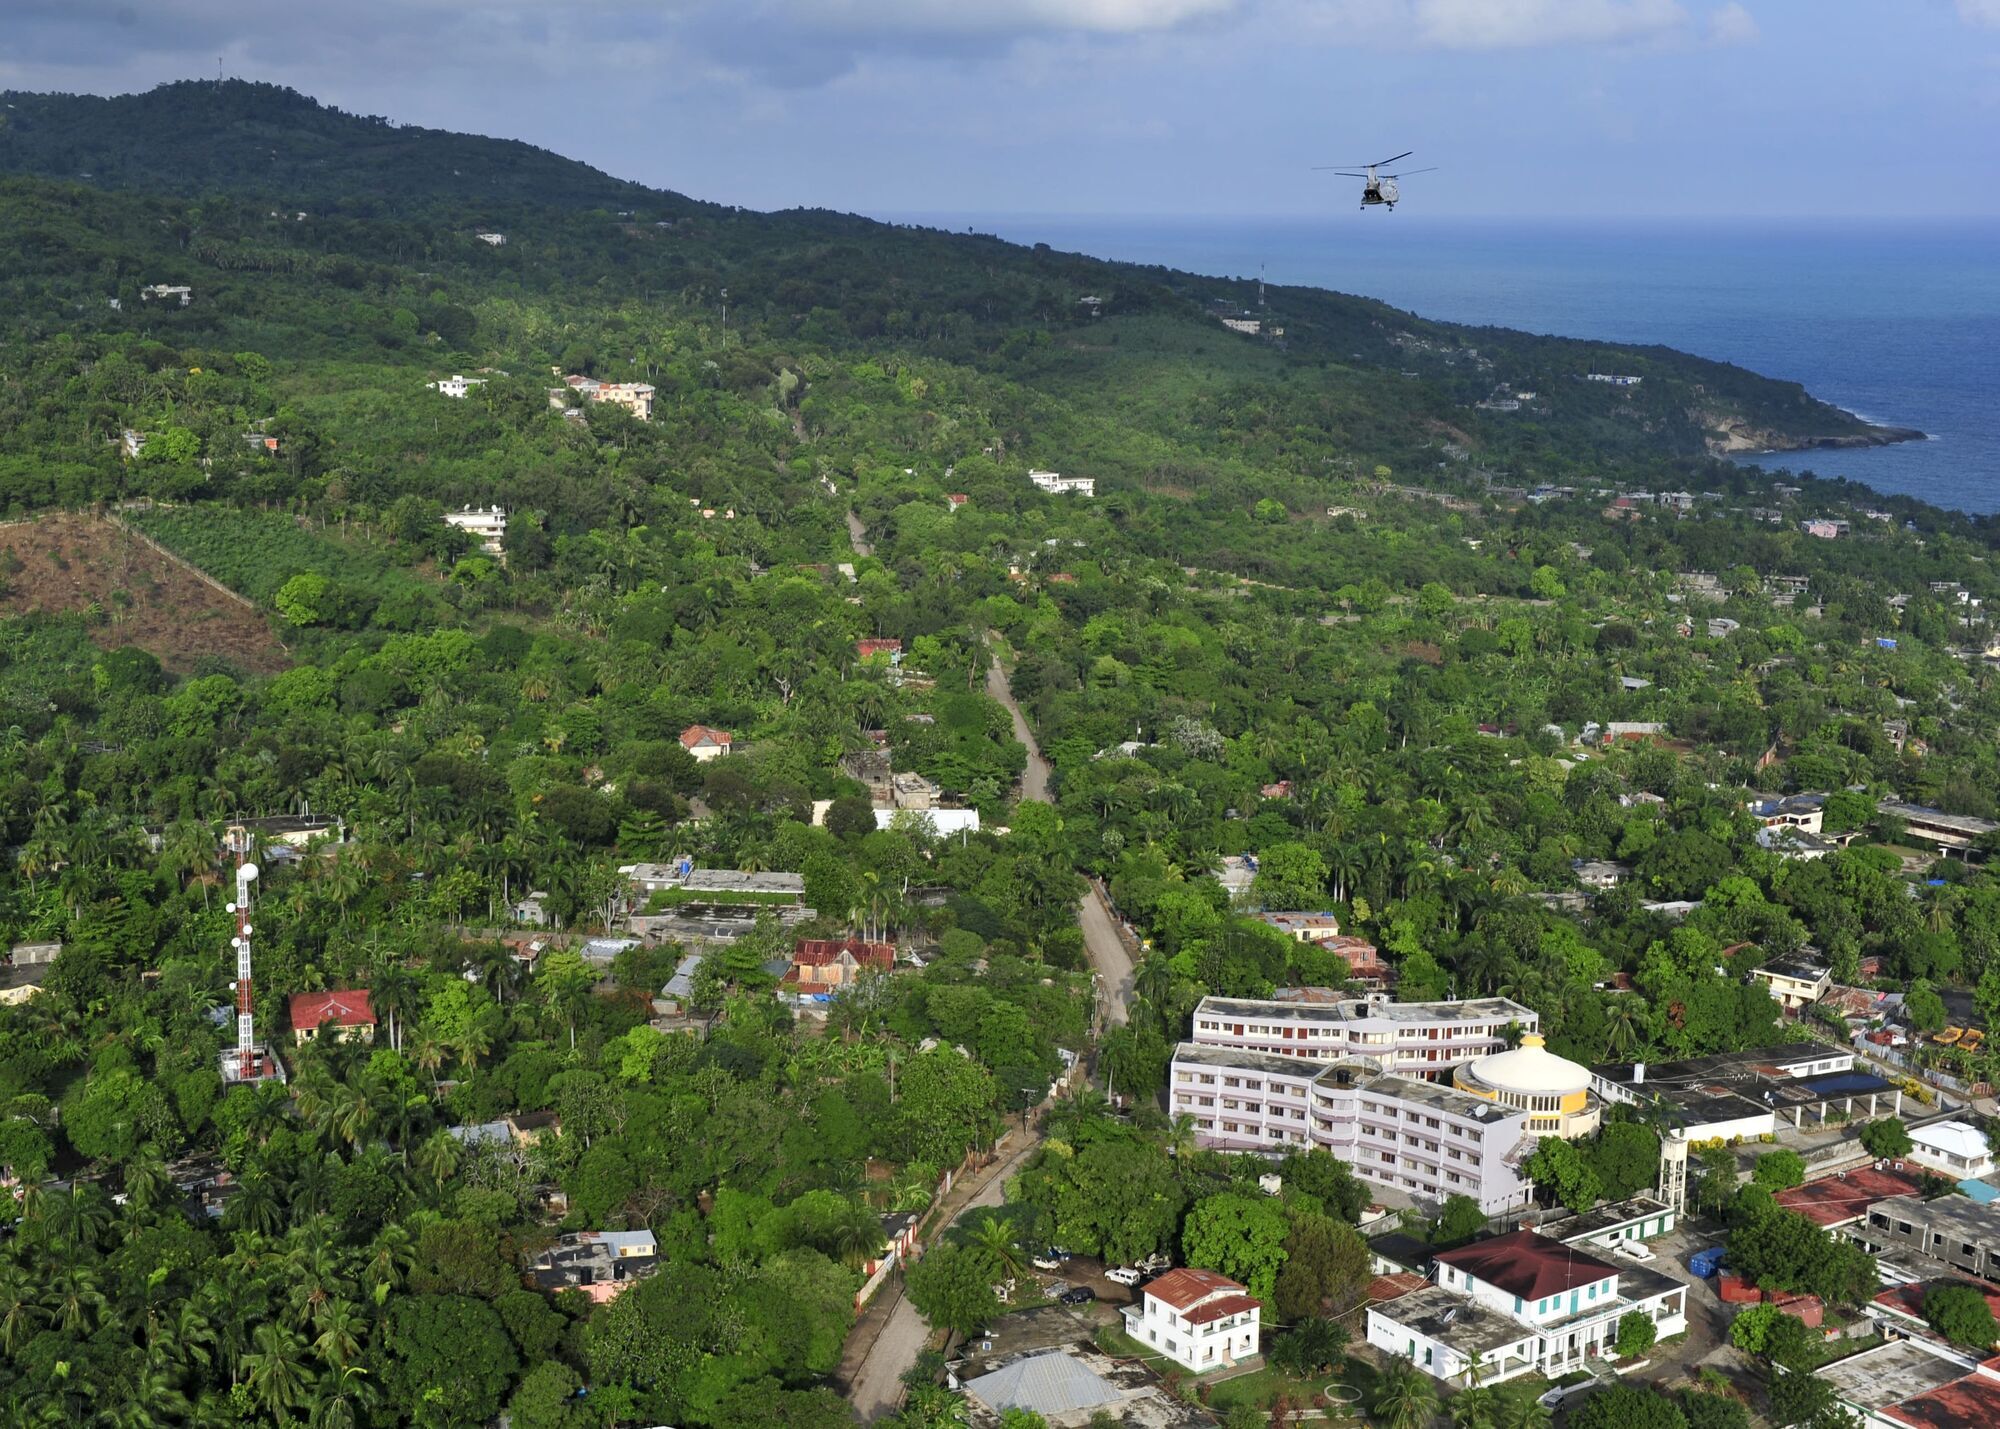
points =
(996, 17)
(1517, 24)
(1980, 12)
(1732, 25)
(1499, 24)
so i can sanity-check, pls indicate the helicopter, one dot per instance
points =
(1376, 188)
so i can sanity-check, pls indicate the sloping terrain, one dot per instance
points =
(66, 562)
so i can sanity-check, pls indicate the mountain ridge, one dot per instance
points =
(962, 294)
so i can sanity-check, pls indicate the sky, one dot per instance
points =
(1565, 108)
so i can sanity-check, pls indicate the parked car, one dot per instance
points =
(1058, 1252)
(1123, 1275)
(1556, 1396)
(1155, 1264)
(1081, 1295)
(1045, 1262)
(1635, 1249)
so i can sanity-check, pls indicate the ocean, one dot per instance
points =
(1896, 321)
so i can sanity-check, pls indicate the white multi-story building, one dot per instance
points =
(1420, 1039)
(1196, 1318)
(486, 525)
(1519, 1304)
(1056, 484)
(1409, 1135)
(455, 385)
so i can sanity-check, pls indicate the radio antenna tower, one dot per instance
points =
(246, 1043)
(246, 1062)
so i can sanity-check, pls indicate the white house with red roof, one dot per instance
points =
(705, 743)
(1196, 1318)
(1514, 1304)
(347, 1011)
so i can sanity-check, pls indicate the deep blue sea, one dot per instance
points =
(1899, 322)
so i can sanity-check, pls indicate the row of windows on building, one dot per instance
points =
(1286, 1032)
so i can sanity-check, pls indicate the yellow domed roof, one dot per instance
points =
(1530, 1068)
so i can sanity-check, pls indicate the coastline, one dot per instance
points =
(1738, 441)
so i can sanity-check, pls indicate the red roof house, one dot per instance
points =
(347, 1010)
(823, 964)
(705, 743)
(1198, 1319)
(1184, 1287)
(1531, 1266)
(867, 649)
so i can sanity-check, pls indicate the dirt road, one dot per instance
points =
(858, 534)
(1108, 953)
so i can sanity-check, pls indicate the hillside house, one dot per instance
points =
(634, 397)
(869, 649)
(1954, 1149)
(27, 968)
(486, 525)
(1795, 982)
(705, 743)
(455, 385)
(1600, 873)
(345, 1013)
(168, 292)
(1824, 529)
(1196, 1318)
(132, 443)
(602, 1264)
(1056, 484)
(955, 499)
(494, 240)
(825, 965)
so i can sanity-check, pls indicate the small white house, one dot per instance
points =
(166, 292)
(1956, 1149)
(496, 240)
(1196, 1318)
(1056, 484)
(455, 385)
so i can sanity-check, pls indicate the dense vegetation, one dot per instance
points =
(1381, 704)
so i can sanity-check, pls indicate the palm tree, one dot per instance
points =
(343, 1399)
(20, 1311)
(74, 1301)
(275, 1370)
(995, 1236)
(1624, 1024)
(342, 1329)
(1521, 1409)
(1405, 1397)
(1477, 1408)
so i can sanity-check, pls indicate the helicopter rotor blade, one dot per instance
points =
(1404, 155)
(1337, 168)
(1406, 172)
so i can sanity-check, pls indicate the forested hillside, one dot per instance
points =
(1316, 611)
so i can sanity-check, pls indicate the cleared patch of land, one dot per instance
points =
(68, 562)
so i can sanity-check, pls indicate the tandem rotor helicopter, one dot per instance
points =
(1376, 188)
